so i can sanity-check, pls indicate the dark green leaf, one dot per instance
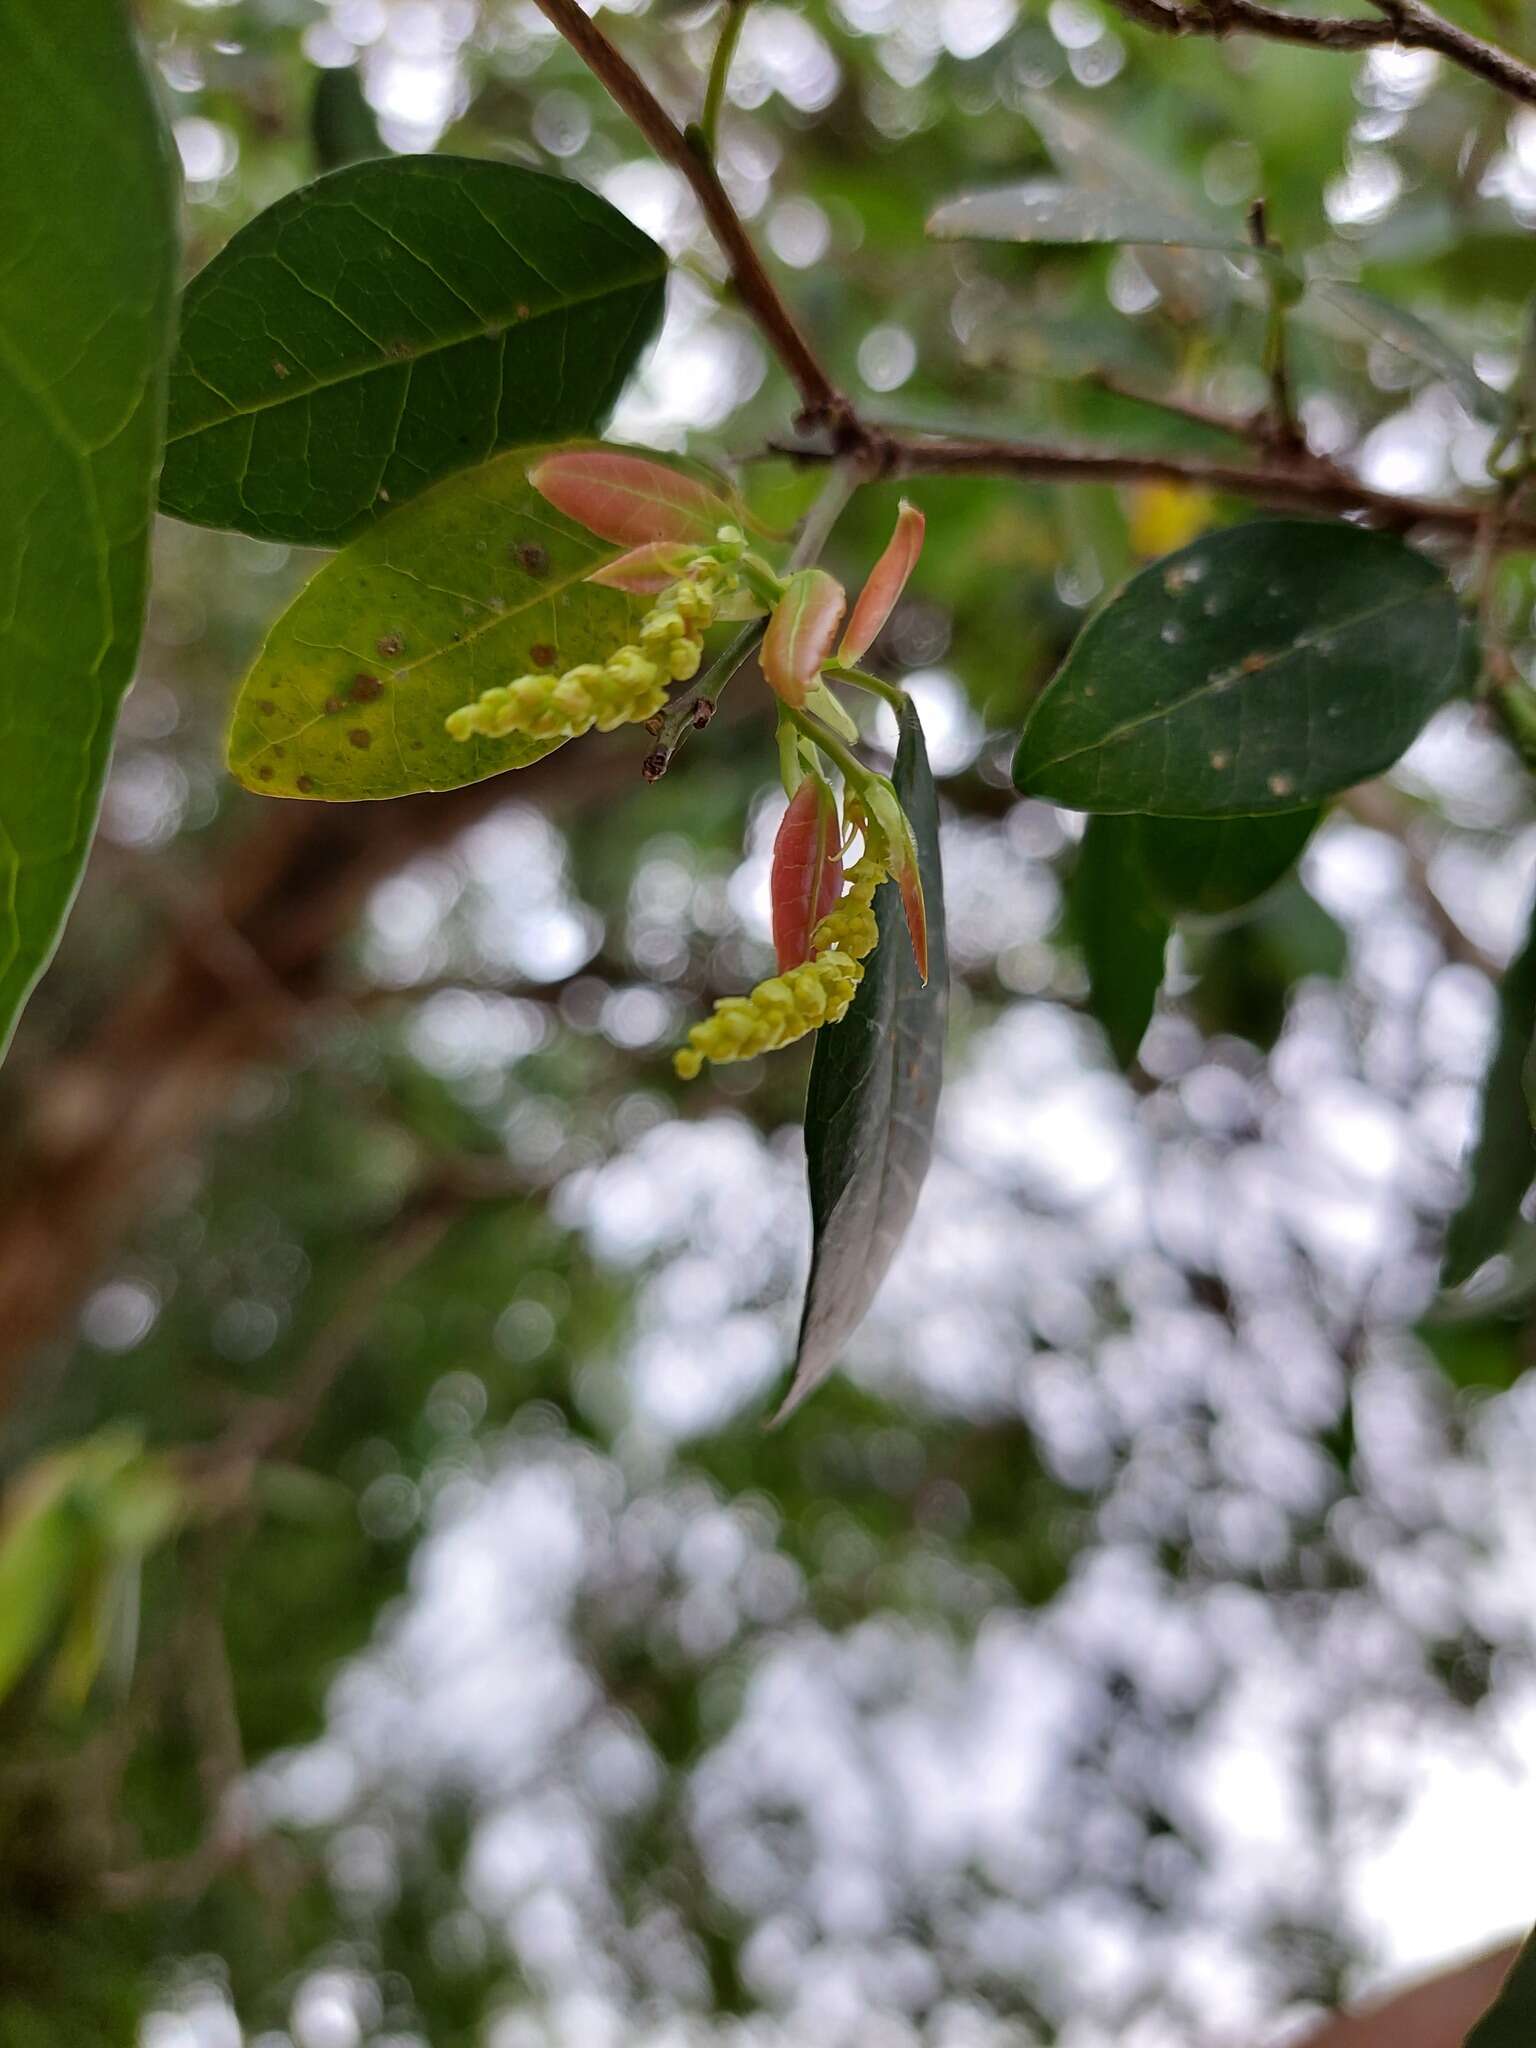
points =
(1256, 670)
(1046, 211)
(87, 272)
(1209, 867)
(1504, 1158)
(873, 1096)
(390, 323)
(341, 120)
(1510, 2022)
(1123, 932)
(475, 583)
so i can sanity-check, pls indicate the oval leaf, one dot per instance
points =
(887, 580)
(87, 224)
(629, 498)
(1122, 931)
(1257, 670)
(807, 873)
(1211, 867)
(1504, 1157)
(476, 583)
(801, 633)
(872, 1100)
(1046, 211)
(389, 323)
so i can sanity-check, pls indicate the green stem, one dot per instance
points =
(843, 672)
(855, 774)
(719, 70)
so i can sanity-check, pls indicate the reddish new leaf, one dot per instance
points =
(910, 882)
(801, 633)
(625, 498)
(645, 571)
(807, 876)
(887, 580)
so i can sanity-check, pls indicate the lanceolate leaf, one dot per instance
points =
(877, 600)
(389, 323)
(1367, 314)
(87, 269)
(801, 633)
(1210, 867)
(807, 872)
(873, 1096)
(1511, 2020)
(1047, 211)
(1122, 931)
(1504, 1158)
(629, 498)
(476, 583)
(1257, 670)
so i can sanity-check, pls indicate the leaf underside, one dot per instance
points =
(475, 583)
(393, 322)
(1213, 867)
(1053, 214)
(87, 267)
(1257, 670)
(872, 1099)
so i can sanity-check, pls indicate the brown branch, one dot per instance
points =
(822, 403)
(1409, 25)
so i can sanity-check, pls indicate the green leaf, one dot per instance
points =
(341, 121)
(40, 1549)
(1210, 867)
(1123, 932)
(1504, 1157)
(390, 323)
(1256, 670)
(1510, 2022)
(476, 583)
(872, 1099)
(1410, 336)
(87, 266)
(1046, 211)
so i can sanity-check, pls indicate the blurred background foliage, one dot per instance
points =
(448, 1654)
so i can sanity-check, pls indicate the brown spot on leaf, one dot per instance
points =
(360, 737)
(279, 751)
(365, 689)
(390, 643)
(532, 557)
(267, 707)
(279, 369)
(1252, 663)
(265, 774)
(305, 784)
(542, 655)
(333, 705)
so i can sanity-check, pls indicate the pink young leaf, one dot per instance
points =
(645, 571)
(807, 875)
(801, 632)
(887, 580)
(625, 498)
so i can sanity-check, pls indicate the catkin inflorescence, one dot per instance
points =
(627, 688)
(787, 1006)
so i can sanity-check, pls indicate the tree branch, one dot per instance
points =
(821, 402)
(1409, 24)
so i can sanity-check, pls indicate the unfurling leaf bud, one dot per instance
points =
(887, 580)
(801, 633)
(627, 499)
(807, 875)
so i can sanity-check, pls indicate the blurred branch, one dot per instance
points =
(822, 404)
(1408, 25)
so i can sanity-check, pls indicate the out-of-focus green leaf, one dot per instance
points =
(873, 1097)
(1504, 1158)
(1510, 2022)
(40, 1548)
(1410, 336)
(475, 583)
(390, 323)
(341, 121)
(87, 273)
(1122, 930)
(1046, 211)
(1256, 670)
(1210, 867)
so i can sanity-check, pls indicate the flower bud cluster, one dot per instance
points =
(787, 1006)
(627, 688)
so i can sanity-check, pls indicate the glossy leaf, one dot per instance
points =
(801, 633)
(1210, 867)
(806, 876)
(1047, 211)
(392, 322)
(629, 498)
(1504, 1156)
(872, 1100)
(1510, 2021)
(877, 600)
(475, 583)
(87, 268)
(1257, 670)
(1122, 931)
